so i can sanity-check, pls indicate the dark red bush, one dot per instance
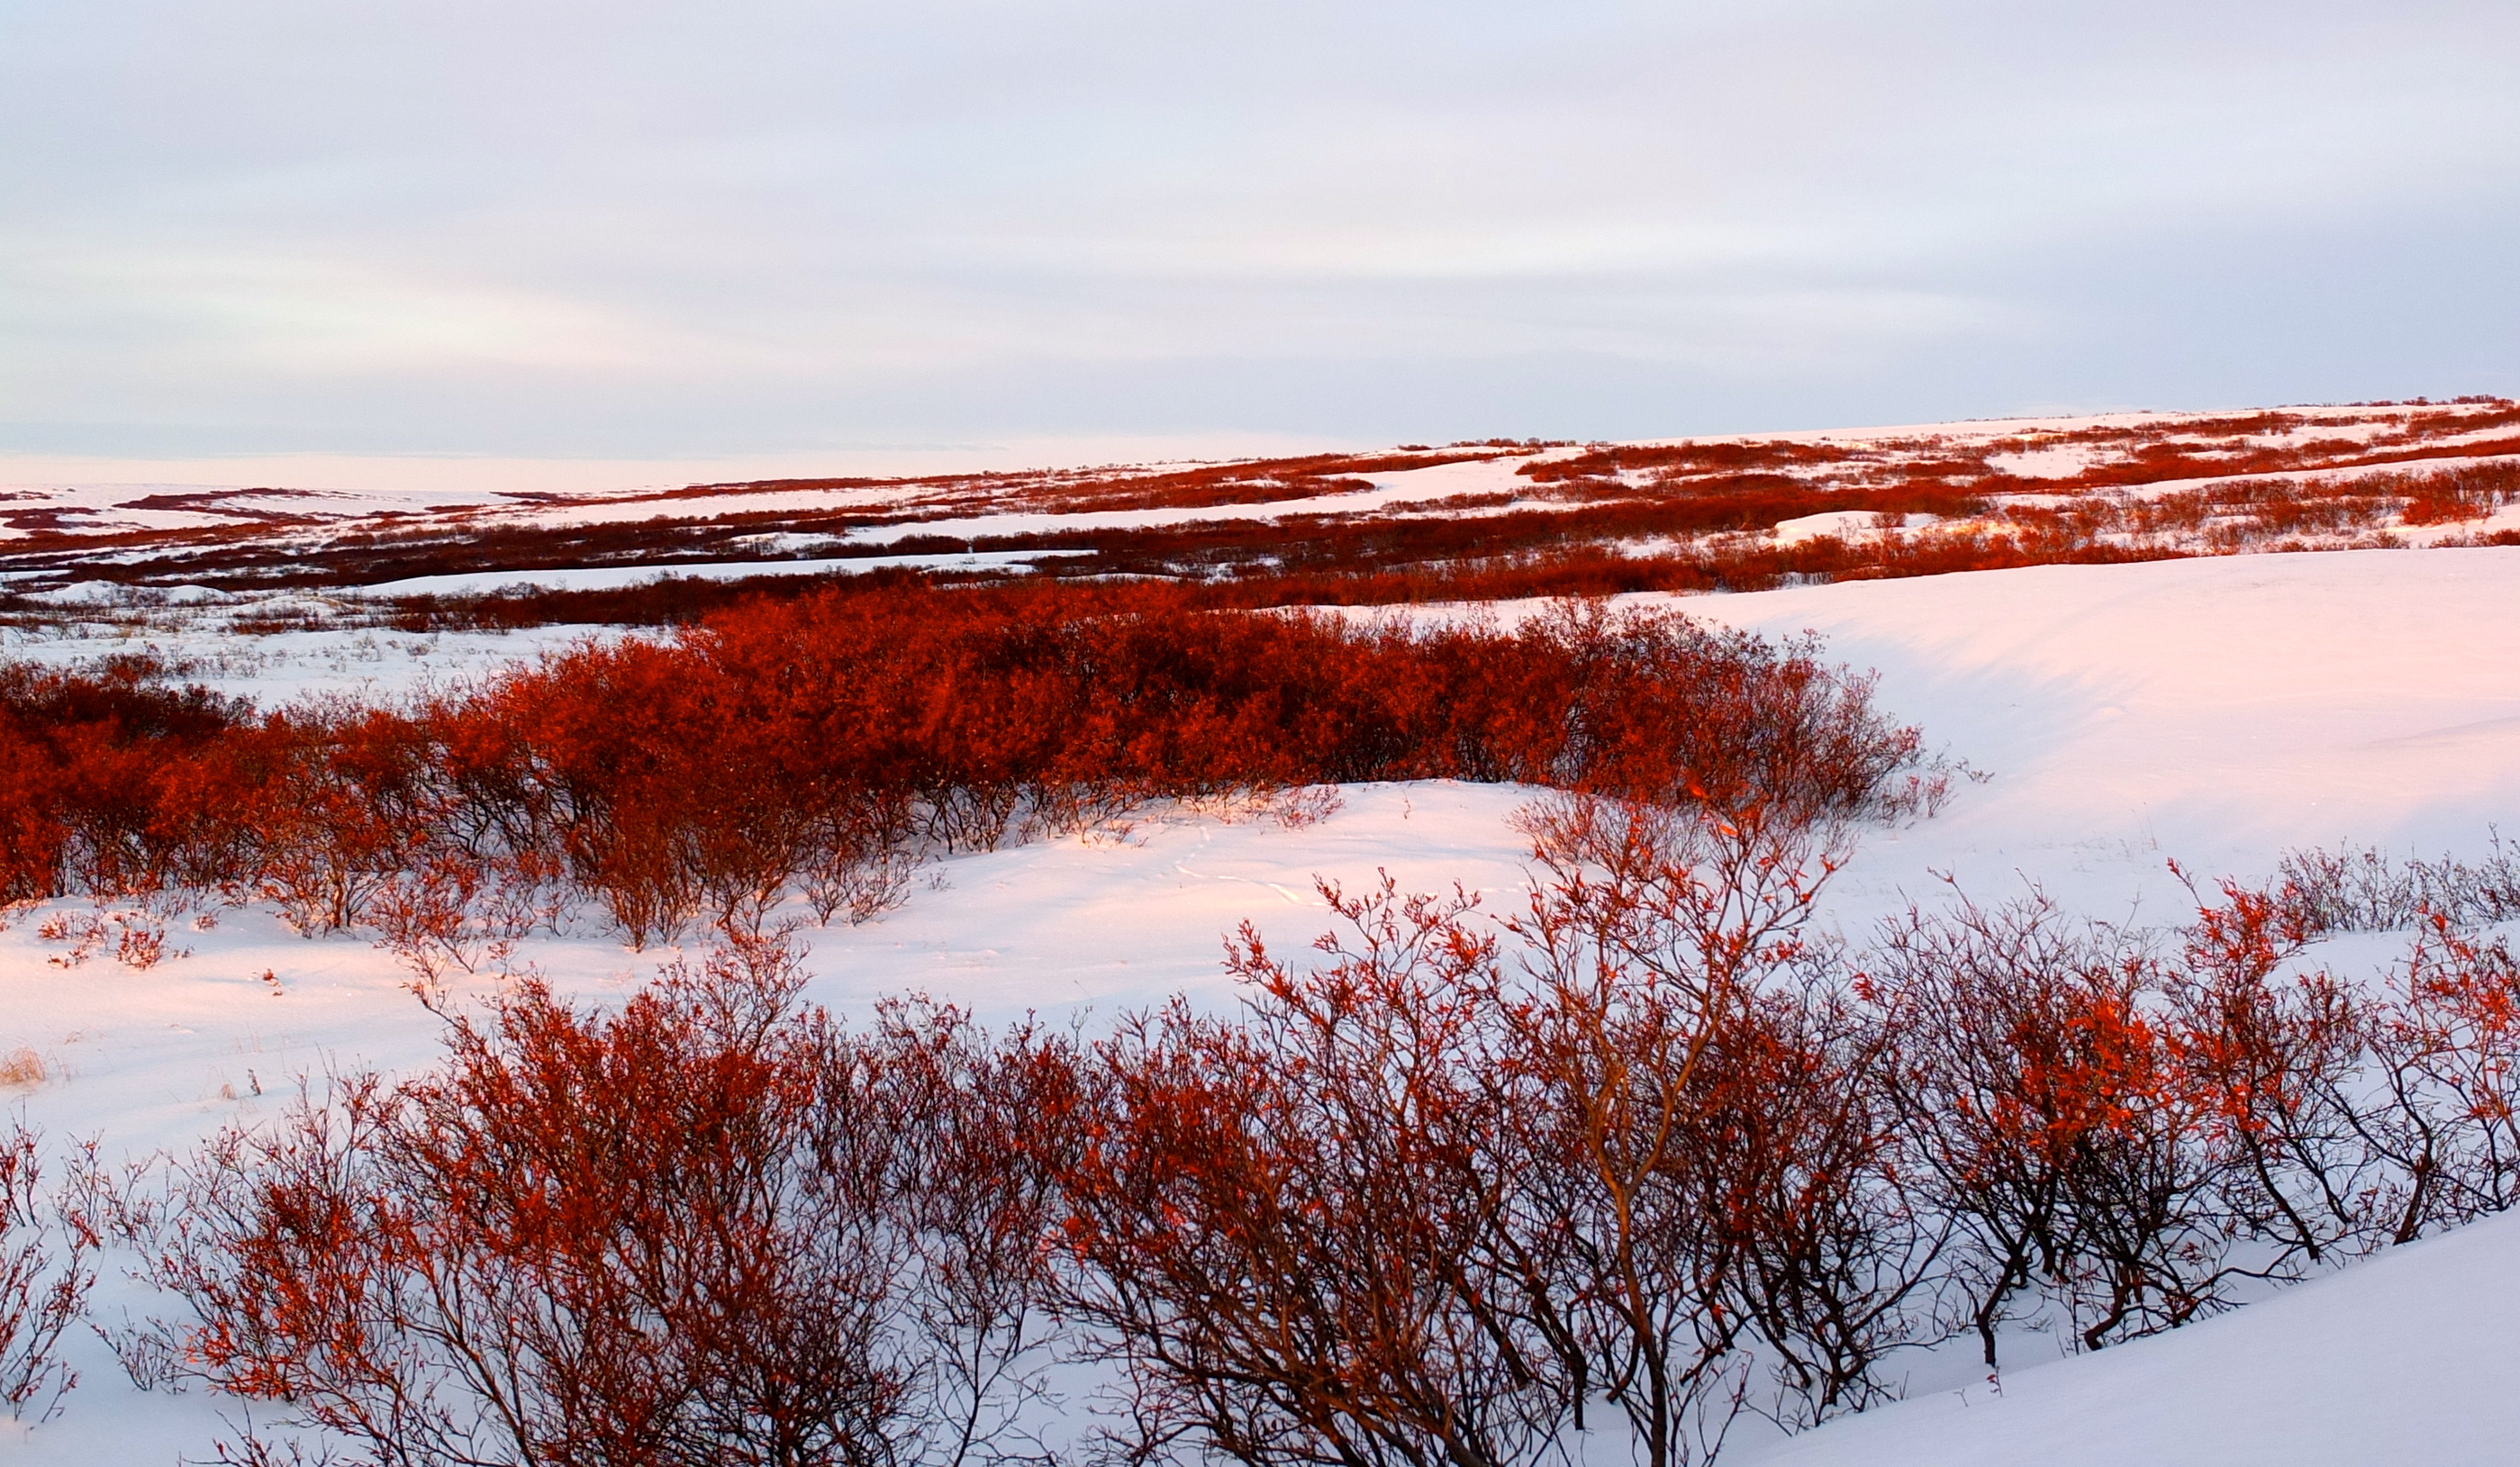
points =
(711, 1227)
(818, 746)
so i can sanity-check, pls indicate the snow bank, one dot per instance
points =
(2212, 710)
(2403, 1359)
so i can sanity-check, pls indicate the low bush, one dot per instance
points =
(711, 1227)
(823, 748)
(1642, 1153)
(46, 1269)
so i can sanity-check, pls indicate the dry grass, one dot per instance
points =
(21, 1067)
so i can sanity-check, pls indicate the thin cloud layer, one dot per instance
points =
(652, 230)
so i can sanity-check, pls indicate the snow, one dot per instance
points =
(445, 478)
(162, 1058)
(2215, 710)
(677, 505)
(1129, 922)
(2344, 474)
(1125, 918)
(159, 525)
(277, 667)
(81, 594)
(2503, 520)
(613, 577)
(2058, 462)
(1398, 487)
(109, 509)
(2402, 1358)
(1836, 524)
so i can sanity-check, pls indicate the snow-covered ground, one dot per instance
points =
(276, 667)
(2212, 710)
(2402, 1358)
(615, 577)
(162, 532)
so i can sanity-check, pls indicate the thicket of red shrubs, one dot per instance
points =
(1481, 572)
(823, 746)
(709, 1228)
(1644, 1152)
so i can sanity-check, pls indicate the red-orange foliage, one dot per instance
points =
(2277, 1059)
(1287, 1227)
(84, 762)
(2047, 1107)
(1432, 1201)
(1429, 1200)
(2456, 494)
(1686, 458)
(45, 1274)
(1565, 508)
(821, 746)
(711, 1227)
(2449, 1048)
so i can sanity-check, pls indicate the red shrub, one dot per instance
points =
(825, 745)
(45, 1274)
(2051, 1118)
(708, 1229)
(1423, 1202)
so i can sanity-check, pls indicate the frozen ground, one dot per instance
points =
(2212, 710)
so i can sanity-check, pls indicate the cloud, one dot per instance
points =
(642, 228)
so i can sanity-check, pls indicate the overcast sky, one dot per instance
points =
(748, 227)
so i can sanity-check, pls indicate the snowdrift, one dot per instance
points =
(2402, 1358)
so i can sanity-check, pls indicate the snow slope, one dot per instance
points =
(2403, 1359)
(2212, 710)
(2215, 710)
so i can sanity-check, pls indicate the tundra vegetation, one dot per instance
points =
(1632, 1156)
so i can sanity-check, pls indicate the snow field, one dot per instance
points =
(2216, 711)
(2402, 1358)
